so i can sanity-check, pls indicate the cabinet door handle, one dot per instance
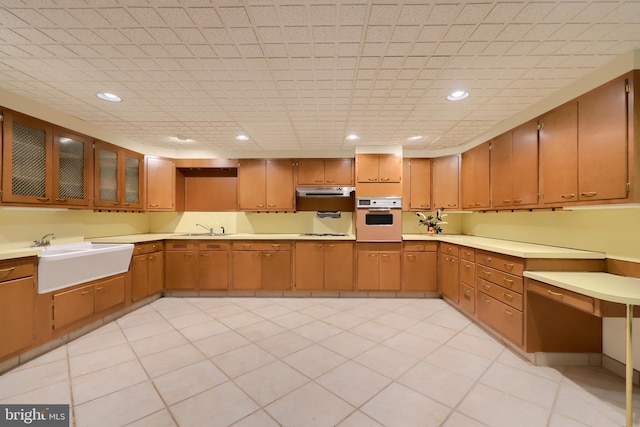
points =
(452, 205)
(487, 259)
(385, 179)
(486, 287)
(271, 206)
(204, 254)
(100, 288)
(268, 256)
(43, 199)
(508, 266)
(424, 206)
(256, 254)
(151, 258)
(60, 200)
(517, 200)
(318, 181)
(319, 245)
(373, 179)
(7, 270)
(275, 245)
(411, 257)
(115, 203)
(486, 273)
(555, 294)
(260, 206)
(125, 204)
(507, 296)
(507, 201)
(153, 205)
(508, 313)
(86, 292)
(246, 246)
(588, 193)
(568, 196)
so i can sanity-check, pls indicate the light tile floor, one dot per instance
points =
(307, 362)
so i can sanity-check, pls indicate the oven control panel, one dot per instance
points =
(379, 202)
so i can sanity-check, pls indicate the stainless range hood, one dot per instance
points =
(325, 192)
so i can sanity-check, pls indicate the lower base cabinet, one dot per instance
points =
(82, 301)
(378, 266)
(420, 267)
(17, 308)
(324, 266)
(262, 265)
(448, 271)
(147, 270)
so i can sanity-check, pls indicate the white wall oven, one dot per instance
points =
(379, 219)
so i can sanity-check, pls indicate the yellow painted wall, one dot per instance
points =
(248, 222)
(613, 231)
(19, 227)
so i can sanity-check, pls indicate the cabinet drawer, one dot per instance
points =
(180, 245)
(508, 297)
(509, 281)
(146, 248)
(468, 254)
(505, 320)
(261, 246)
(214, 246)
(501, 262)
(421, 247)
(449, 249)
(467, 272)
(16, 269)
(70, 306)
(575, 300)
(467, 298)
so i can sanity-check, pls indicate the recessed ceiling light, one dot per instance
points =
(109, 97)
(182, 138)
(352, 137)
(242, 137)
(457, 95)
(415, 138)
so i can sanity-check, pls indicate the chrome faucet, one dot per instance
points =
(209, 229)
(45, 240)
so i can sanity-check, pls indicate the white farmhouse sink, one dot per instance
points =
(69, 264)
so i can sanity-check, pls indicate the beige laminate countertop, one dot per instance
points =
(518, 249)
(603, 286)
(508, 247)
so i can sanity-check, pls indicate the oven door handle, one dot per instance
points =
(379, 210)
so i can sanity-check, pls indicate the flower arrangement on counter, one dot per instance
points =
(433, 224)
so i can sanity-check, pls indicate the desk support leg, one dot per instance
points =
(629, 372)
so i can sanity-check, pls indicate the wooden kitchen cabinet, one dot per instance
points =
(266, 185)
(475, 177)
(467, 277)
(160, 183)
(378, 266)
(324, 265)
(213, 265)
(118, 177)
(559, 155)
(81, 302)
(334, 172)
(603, 144)
(181, 270)
(416, 186)
(262, 265)
(147, 270)
(446, 182)
(17, 305)
(43, 164)
(514, 167)
(419, 267)
(448, 271)
(379, 168)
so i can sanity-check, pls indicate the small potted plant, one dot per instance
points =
(432, 224)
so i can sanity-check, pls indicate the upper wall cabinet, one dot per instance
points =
(584, 147)
(416, 187)
(161, 183)
(446, 182)
(603, 144)
(43, 164)
(378, 168)
(266, 185)
(514, 167)
(118, 177)
(475, 177)
(325, 172)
